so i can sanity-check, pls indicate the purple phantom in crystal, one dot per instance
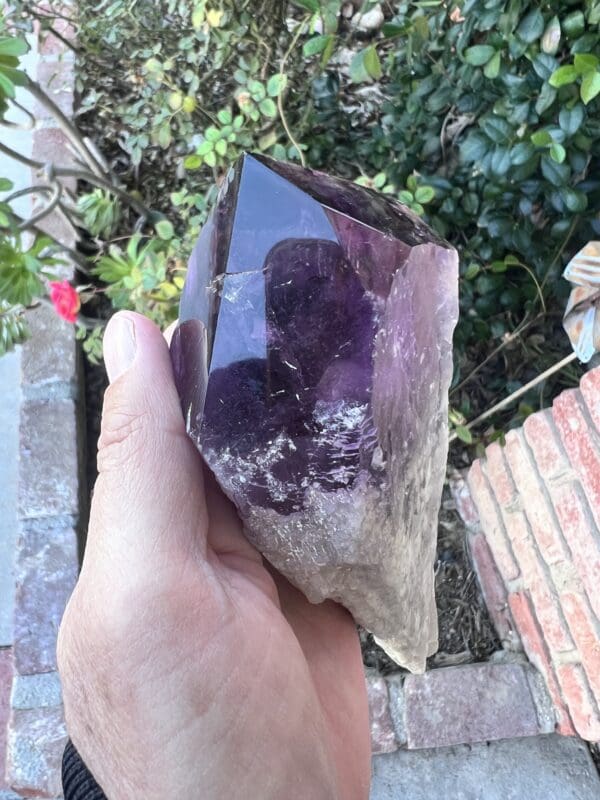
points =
(313, 359)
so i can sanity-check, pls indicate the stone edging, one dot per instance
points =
(49, 494)
(458, 705)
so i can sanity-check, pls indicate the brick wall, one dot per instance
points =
(537, 551)
(32, 729)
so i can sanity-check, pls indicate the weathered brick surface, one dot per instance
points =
(472, 703)
(36, 742)
(580, 531)
(492, 523)
(538, 581)
(584, 710)
(590, 389)
(494, 591)
(56, 76)
(463, 500)
(49, 469)
(383, 739)
(46, 571)
(535, 647)
(50, 355)
(543, 439)
(584, 628)
(5, 683)
(544, 525)
(539, 506)
(581, 443)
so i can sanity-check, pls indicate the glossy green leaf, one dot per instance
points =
(571, 119)
(590, 86)
(479, 54)
(531, 26)
(268, 108)
(563, 76)
(164, 228)
(585, 62)
(276, 84)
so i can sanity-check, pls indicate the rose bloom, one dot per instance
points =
(65, 300)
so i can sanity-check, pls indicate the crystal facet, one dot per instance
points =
(313, 359)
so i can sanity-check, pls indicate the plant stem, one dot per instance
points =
(519, 393)
(282, 66)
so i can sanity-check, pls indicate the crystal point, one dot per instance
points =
(313, 359)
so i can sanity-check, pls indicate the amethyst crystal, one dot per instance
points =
(313, 360)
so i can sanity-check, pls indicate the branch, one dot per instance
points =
(66, 126)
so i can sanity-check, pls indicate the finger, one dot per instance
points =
(148, 503)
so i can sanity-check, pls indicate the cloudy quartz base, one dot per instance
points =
(313, 359)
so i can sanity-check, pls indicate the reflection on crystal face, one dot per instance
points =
(313, 359)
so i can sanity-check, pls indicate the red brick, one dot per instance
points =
(582, 536)
(465, 507)
(492, 588)
(499, 476)
(474, 703)
(539, 583)
(36, 741)
(52, 45)
(581, 443)
(590, 389)
(45, 571)
(383, 739)
(543, 523)
(48, 470)
(583, 709)
(6, 674)
(585, 631)
(542, 437)
(535, 647)
(492, 524)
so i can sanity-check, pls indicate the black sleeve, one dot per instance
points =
(78, 782)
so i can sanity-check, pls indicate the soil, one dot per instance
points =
(466, 633)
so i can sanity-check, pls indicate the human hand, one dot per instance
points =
(189, 668)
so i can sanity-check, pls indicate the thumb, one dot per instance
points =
(148, 502)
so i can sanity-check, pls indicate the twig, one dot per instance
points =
(519, 393)
(66, 126)
(510, 338)
(282, 66)
(25, 127)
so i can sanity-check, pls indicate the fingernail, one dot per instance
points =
(119, 346)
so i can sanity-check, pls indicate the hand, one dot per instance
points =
(189, 668)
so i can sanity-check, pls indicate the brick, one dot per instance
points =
(50, 355)
(36, 691)
(6, 672)
(382, 728)
(57, 79)
(397, 707)
(590, 389)
(474, 703)
(582, 536)
(50, 44)
(542, 437)
(493, 589)
(539, 583)
(465, 507)
(49, 466)
(585, 631)
(583, 709)
(581, 443)
(46, 572)
(535, 647)
(538, 509)
(36, 741)
(499, 476)
(492, 523)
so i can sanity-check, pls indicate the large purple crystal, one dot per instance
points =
(313, 359)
